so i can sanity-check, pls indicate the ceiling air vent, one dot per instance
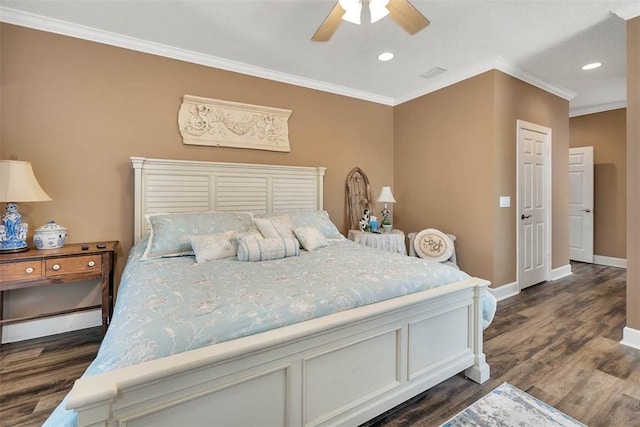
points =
(433, 72)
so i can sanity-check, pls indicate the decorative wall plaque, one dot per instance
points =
(213, 122)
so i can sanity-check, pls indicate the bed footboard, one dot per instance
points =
(344, 368)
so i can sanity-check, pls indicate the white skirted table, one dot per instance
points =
(392, 241)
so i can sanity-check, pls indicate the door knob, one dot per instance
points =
(525, 216)
(586, 210)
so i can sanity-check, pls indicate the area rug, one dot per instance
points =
(508, 406)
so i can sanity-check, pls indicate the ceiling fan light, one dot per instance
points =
(353, 10)
(378, 9)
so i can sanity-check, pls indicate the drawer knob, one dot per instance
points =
(92, 263)
(56, 267)
(29, 270)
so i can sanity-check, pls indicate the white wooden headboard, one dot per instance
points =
(185, 186)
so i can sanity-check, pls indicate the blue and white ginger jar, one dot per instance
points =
(50, 236)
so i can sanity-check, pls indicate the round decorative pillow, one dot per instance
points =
(433, 245)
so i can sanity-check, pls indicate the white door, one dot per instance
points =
(534, 203)
(581, 204)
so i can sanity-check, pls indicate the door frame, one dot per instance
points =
(521, 125)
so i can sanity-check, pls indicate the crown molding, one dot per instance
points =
(600, 108)
(499, 64)
(444, 80)
(520, 74)
(39, 22)
(628, 12)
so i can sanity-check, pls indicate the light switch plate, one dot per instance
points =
(505, 201)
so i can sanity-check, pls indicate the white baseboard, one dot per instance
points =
(51, 326)
(560, 272)
(505, 291)
(511, 289)
(610, 261)
(631, 337)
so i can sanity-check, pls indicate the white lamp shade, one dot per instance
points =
(19, 184)
(386, 196)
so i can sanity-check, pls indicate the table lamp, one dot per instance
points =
(17, 184)
(386, 197)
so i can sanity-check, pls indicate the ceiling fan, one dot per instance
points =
(401, 11)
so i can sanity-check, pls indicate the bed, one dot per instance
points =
(333, 335)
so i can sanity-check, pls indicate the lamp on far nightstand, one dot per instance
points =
(17, 184)
(386, 197)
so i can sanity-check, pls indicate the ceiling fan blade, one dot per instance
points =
(330, 24)
(407, 16)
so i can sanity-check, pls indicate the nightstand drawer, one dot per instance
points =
(71, 265)
(24, 270)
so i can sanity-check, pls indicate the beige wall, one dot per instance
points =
(443, 158)
(633, 173)
(606, 133)
(78, 110)
(455, 155)
(517, 100)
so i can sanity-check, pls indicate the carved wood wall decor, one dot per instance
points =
(213, 122)
(358, 196)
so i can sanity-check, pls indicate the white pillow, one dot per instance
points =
(209, 247)
(249, 235)
(267, 249)
(310, 238)
(275, 226)
(433, 245)
(317, 219)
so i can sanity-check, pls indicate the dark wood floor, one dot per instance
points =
(558, 341)
(35, 375)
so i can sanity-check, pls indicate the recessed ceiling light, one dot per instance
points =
(592, 66)
(385, 56)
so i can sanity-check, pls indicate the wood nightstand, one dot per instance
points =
(70, 263)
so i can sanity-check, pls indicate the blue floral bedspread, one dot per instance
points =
(171, 305)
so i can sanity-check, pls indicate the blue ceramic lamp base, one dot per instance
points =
(13, 246)
(13, 233)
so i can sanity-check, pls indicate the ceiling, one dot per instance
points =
(542, 42)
